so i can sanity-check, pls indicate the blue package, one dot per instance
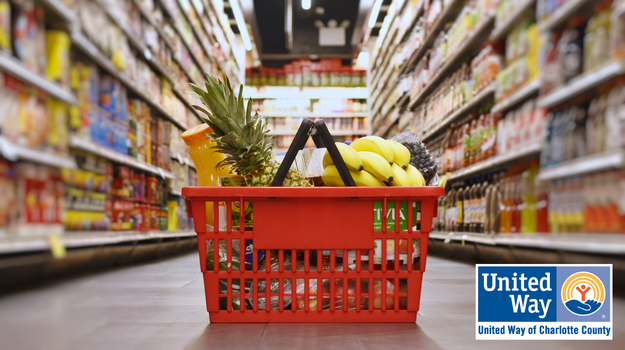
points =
(249, 252)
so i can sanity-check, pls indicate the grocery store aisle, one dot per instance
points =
(160, 305)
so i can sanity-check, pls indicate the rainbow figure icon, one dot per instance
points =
(583, 293)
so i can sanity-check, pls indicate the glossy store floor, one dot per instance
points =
(161, 305)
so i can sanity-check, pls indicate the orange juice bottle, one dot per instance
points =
(205, 159)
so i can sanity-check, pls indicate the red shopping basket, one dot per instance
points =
(322, 254)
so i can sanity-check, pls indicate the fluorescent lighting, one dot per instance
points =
(375, 11)
(306, 4)
(363, 59)
(238, 16)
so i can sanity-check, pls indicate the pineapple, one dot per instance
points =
(241, 137)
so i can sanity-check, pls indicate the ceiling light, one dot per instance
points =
(306, 4)
(238, 16)
(375, 11)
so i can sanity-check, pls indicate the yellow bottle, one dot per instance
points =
(205, 159)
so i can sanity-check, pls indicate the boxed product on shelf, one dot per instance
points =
(37, 120)
(5, 26)
(58, 49)
(8, 189)
(28, 35)
(40, 198)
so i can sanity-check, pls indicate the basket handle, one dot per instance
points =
(321, 135)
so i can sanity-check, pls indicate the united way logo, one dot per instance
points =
(583, 293)
(544, 301)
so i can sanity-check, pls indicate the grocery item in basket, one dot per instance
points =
(206, 159)
(376, 145)
(400, 177)
(331, 177)
(378, 214)
(351, 291)
(248, 214)
(390, 251)
(376, 165)
(419, 156)
(350, 157)
(402, 154)
(242, 137)
(415, 176)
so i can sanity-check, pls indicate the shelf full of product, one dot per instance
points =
(527, 129)
(344, 110)
(100, 94)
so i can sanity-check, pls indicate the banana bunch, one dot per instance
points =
(373, 161)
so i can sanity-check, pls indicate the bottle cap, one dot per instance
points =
(196, 135)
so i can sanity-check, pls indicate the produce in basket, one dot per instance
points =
(242, 137)
(420, 157)
(377, 162)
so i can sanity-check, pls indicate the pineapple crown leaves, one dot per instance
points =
(239, 135)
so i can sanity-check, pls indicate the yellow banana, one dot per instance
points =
(376, 165)
(402, 154)
(415, 176)
(331, 177)
(400, 177)
(349, 155)
(376, 145)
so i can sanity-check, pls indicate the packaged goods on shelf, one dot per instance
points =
(587, 128)
(34, 202)
(324, 105)
(326, 72)
(523, 48)
(506, 202)
(30, 118)
(478, 138)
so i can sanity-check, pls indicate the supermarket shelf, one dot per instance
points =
(387, 54)
(306, 92)
(584, 165)
(84, 44)
(502, 29)
(17, 69)
(520, 152)
(477, 99)
(463, 237)
(577, 242)
(22, 244)
(385, 127)
(150, 18)
(88, 146)
(182, 160)
(138, 44)
(467, 45)
(583, 83)
(517, 96)
(13, 152)
(61, 9)
(561, 14)
(314, 115)
(333, 133)
(451, 10)
(176, 27)
(176, 192)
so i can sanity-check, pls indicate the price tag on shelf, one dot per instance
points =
(56, 247)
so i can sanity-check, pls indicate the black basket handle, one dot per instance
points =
(319, 131)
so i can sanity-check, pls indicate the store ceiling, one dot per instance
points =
(267, 19)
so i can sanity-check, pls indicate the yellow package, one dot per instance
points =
(5, 25)
(57, 47)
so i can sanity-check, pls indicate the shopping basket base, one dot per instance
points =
(300, 316)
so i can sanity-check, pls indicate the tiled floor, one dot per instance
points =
(161, 306)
